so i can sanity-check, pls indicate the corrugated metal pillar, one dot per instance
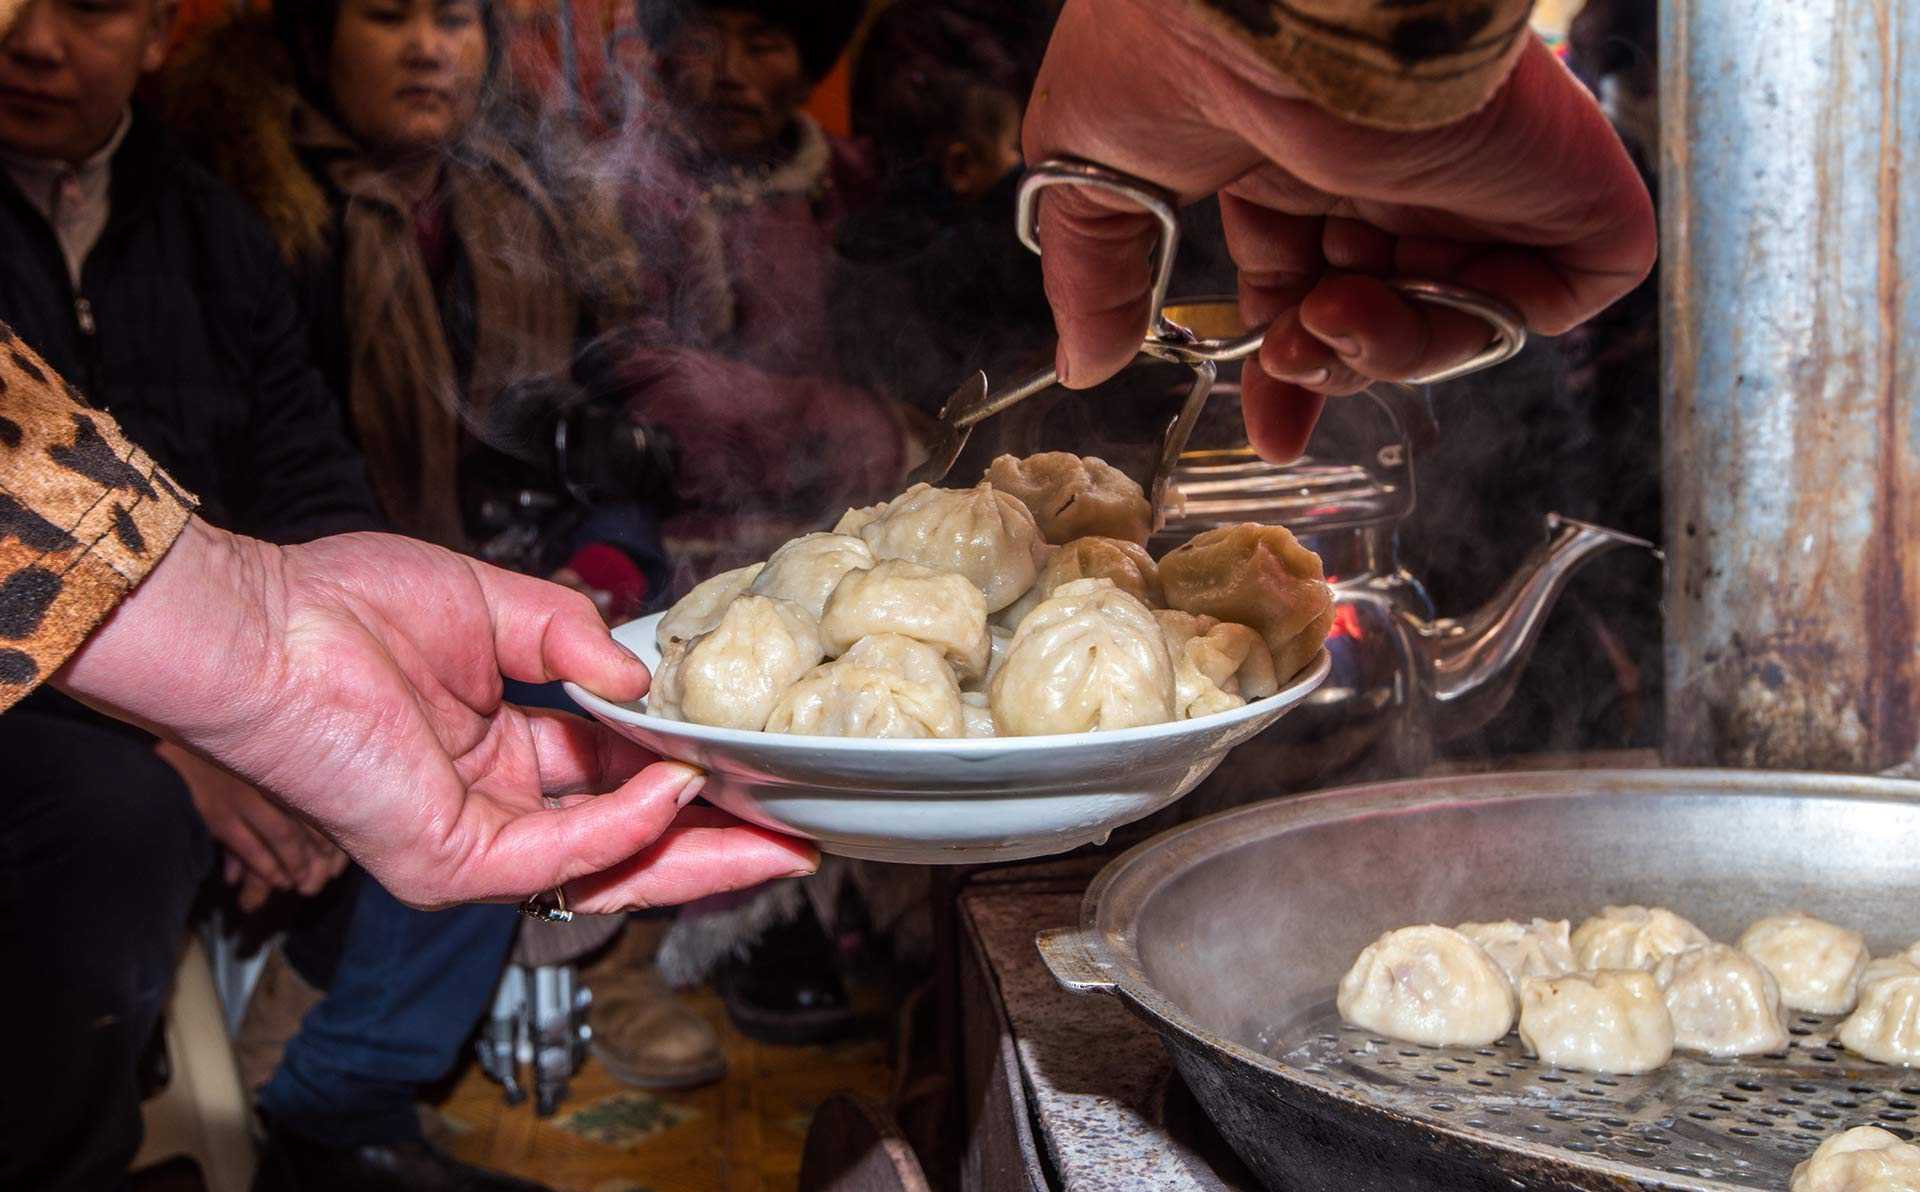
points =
(1790, 169)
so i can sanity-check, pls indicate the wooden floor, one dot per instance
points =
(741, 1135)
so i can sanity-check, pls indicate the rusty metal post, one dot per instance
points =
(1790, 164)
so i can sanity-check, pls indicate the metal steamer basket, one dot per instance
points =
(1229, 935)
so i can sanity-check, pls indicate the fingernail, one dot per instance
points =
(1317, 376)
(691, 791)
(1345, 345)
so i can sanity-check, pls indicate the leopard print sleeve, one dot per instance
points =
(1400, 64)
(84, 515)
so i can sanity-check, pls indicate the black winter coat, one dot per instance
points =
(187, 329)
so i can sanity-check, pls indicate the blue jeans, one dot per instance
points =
(405, 995)
(410, 987)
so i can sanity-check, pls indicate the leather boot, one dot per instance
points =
(290, 1163)
(280, 1000)
(644, 1034)
(787, 989)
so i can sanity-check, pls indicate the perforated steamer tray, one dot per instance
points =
(1229, 935)
(1744, 1123)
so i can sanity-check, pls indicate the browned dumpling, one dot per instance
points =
(1127, 564)
(1258, 576)
(979, 532)
(936, 607)
(1076, 496)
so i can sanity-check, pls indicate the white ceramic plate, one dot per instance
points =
(936, 802)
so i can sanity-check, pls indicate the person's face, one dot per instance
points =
(69, 67)
(739, 78)
(406, 75)
(975, 165)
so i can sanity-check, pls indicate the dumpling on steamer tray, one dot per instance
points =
(980, 533)
(1535, 949)
(731, 676)
(1075, 496)
(1864, 1159)
(1089, 657)
(1428, 985)
(1633, 937)
(1127, 564)
(1258, 576)
(1817, 964)
(1614, 1020)
(939, 608)
(699, 610)
(1216, 665)
(886, 686)
(807, 569)
(1886, 1024)
(1722, 1001)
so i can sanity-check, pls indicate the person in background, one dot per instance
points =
(736, 197)
(124, 264)
(445, 286)
(934, 283)
(740, 197)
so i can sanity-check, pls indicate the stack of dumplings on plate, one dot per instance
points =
(1025, 605)
(1632, 985)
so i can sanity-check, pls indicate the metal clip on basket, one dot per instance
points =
(1167, 340)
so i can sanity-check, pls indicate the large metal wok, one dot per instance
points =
(1228, 936)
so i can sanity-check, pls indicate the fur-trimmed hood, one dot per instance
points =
(229, 95)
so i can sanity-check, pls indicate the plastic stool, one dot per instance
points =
(202, 1113)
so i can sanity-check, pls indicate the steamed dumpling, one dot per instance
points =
(1864, 1159)
(699, 610)
(1609, 1021)
(1258, 576)
(1127, 564)
(1886, 1026)
(1090, 657)
(853, 520)
(936, 607)
(1522, 950)
(979, 717)
(1722, 1002)
(1427, 985)
(1000, 640)
(980, 533)
(1817, 964)
(1075, 496)
(1633, 937)
(806, 569)
(885, 686)
(731, 676)
(1216, 665)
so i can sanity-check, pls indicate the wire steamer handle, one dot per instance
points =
(1169, 341)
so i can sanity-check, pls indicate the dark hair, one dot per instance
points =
(929, 72)
(306, 27)
(820, 28)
